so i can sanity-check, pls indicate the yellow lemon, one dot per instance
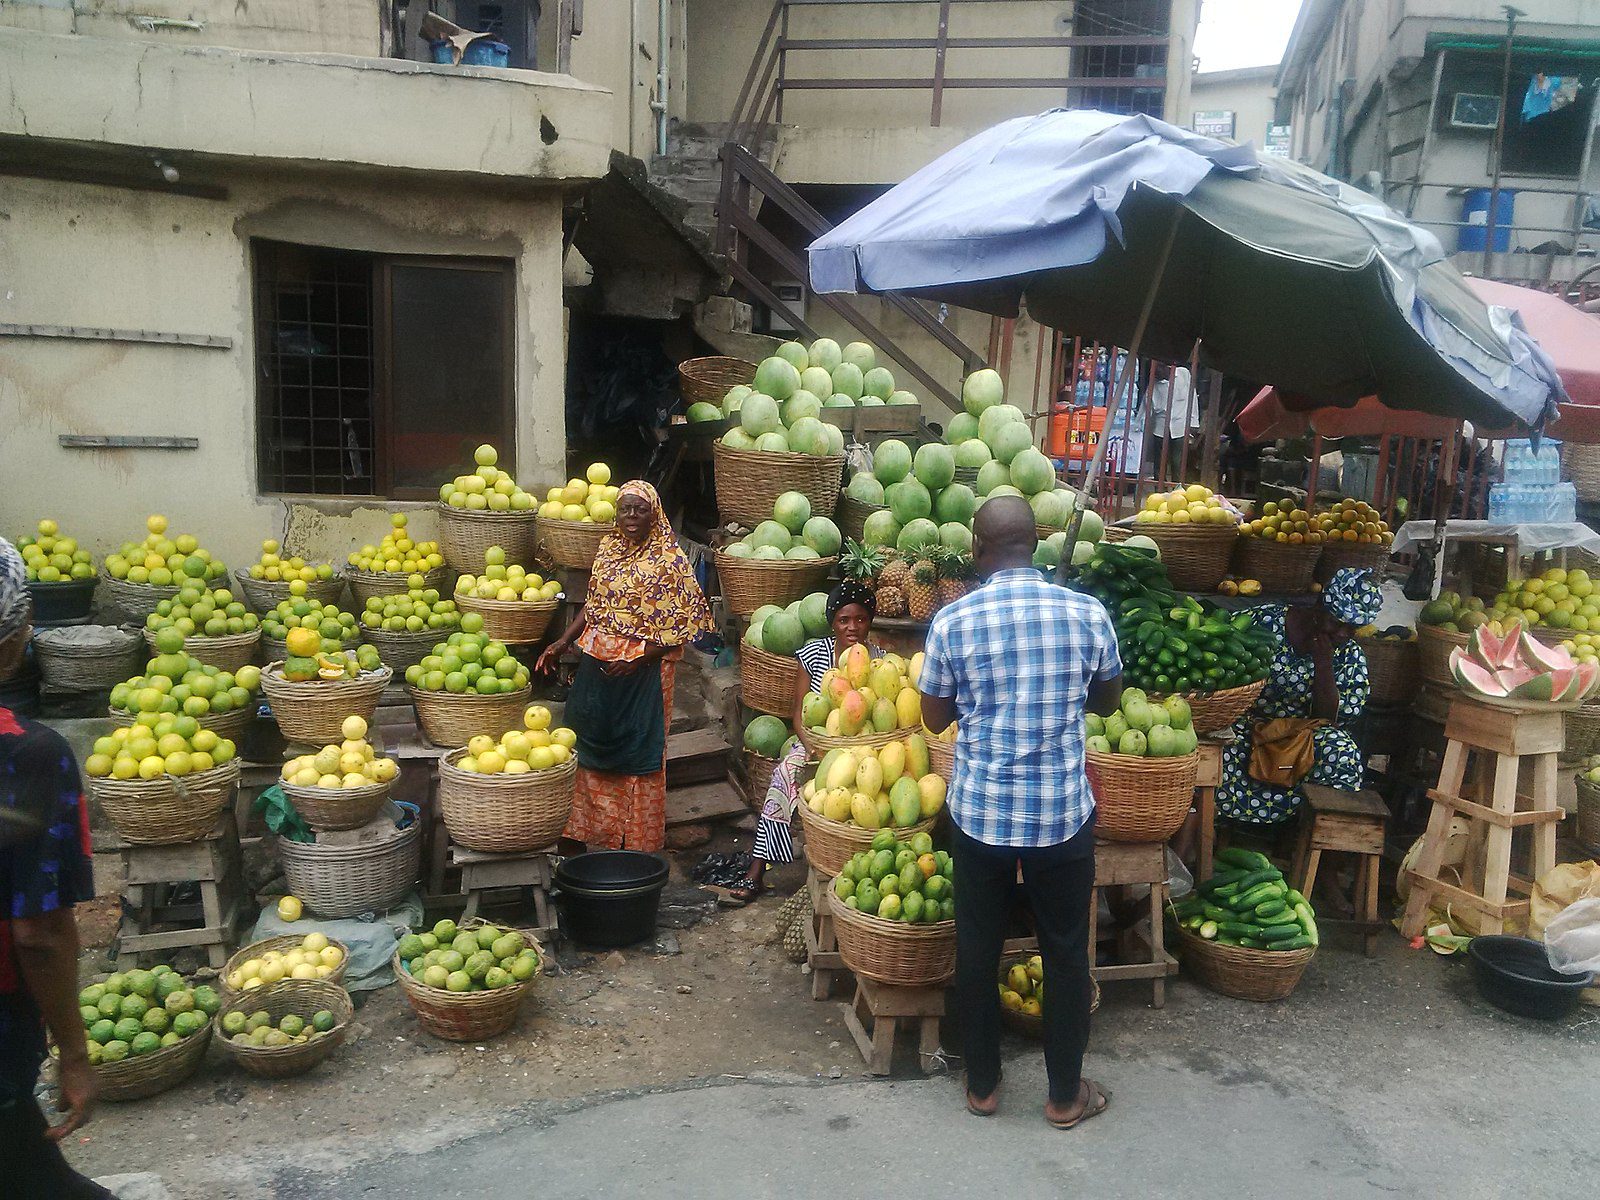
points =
(331, 956)
(537, 716)
(354, 728)
(315, 942)
(564, 737)
(290, 908)
(303, 971)
(272, 972)
(491, 762)
(598, 473)
(542, 758)
(561, 752)
(516, 766)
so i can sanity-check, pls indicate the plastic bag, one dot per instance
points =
(371, 940)
(1572, 938)
(1560, 886)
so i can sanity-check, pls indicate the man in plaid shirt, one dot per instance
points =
(1020, 661)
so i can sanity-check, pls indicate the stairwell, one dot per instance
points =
(692, 171)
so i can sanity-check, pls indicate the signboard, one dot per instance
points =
(1217, 122)
(1278, 139)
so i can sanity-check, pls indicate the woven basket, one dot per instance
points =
(327, 810)
(464, 535)
(312, 712)
(1211, 712)
(1550, 635)
(263, 595)
(1588, 814)
(283, 943)
(708, 380)
(467, 1016)
(515, 622)
(1025, 1023)
(766, 680)
(571, 544)
(749, 482)
(1243, 973)
(302, 998)
(346, 881)
(1140, 799)
(1281, 568)
(399, 649)
(1433, 654)
(1351, 554)
(135, 601)
(1393, 667)
(1580, 463)
(225, 725)
(1197, 557)
(851, 516)
(364, 585)
(893, 952)
(941, 756)
(505, 814)
(70, 668)
(820, 743)
(748, 583)
(228, 652)
(137, 1078)
(455, 718)
(758, 769)
(1582, 728)
(167, 810)
(830, 844)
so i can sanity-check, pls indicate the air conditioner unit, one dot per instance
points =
(1473, 110)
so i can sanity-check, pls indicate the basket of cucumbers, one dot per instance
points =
(1245, 932)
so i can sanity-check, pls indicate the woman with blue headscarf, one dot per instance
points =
(1298, 730)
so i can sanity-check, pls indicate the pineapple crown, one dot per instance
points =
(952, 563)
(925, 570)
(860, 562)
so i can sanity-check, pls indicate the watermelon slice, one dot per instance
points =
(1540, 686)
(1568, 687)
(1474, 677)
(1487, 647)
(1588, 678)
(1540, 657)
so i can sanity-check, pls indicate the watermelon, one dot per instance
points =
(795, 354)
(778, 378)
(917, 535)
(880, 529)
(825, 353)
(908, 500)
(1473, 676)
(1536, 654)
(865, 489)
(934, 465)
(765, 735)
(963, 427)
(891, 461)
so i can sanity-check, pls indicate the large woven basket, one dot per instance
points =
(282, 943)
(1211, 712)
(346, 881)
(327, 810)
(399, 649)
(893, 952)
(1433, 654)
(464, 535)
(1337, 555)
(364, 585)
(67, 667)
(1580, 463)
(149, 1074)
(1550, 635)
(455, 718)
(1582, 729)
(758, 769)
(226, 725)
(766, 680)
(1140, 799)
(169, 809)
(830, 844)
(1393, 668)
(312, 712)
(135, 601)
(708, 380)
(264, 595)
(748, 583)
(851, 515)
(941, 756)
(571, 544)
(302, 998)
(749, 482)
(1283, 569)
(515, 622)
(1588, 814)
(1027, 1024)
(1197, 557)
(467, 1016)
(1243, 973)
(228, 652)
(505, 814)
(820, 743)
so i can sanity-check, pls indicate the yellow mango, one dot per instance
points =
(895, 661)
(853, 713)
(884, 679)
(831, 725)
(809, 790)
(885, 810)
(825, 766)
(914, 669)
(931, 789)
(856, 664)
(837, 804)
(869, 775)
(884, 716)
(916, 756)
(816, 803)
(908, 708)
(892, 758)
(842, 771)
(864, 811)
(905, 803)
(869, 697)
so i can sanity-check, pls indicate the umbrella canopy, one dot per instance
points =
(1279, 272)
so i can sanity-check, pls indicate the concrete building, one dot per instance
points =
(1404, 97)
(1239, 104)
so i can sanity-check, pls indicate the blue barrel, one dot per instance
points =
(1474, 235)
(485, 52)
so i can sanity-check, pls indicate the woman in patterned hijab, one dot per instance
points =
(644, 606)
(14, 605)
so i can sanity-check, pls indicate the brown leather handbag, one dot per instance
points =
(1283, 750)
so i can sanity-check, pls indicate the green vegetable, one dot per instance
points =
(1208, 930)
(1242, 928)
(1250, 860)
(1226, 891)
(1271, 908)
(1196, 921)
(1262, 892)
(1292, 897)
(1265, 875)
(1307, 922)
(1277, 933)
(1294, 943)
(1213, 913)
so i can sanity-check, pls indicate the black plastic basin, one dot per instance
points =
(1513, 973)
(610, 897)
(68, 600)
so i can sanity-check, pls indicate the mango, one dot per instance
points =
(916, 756)
(833, 726)
(884, 716)
(905, 802)
(837, 689)
(828, 759)
(815, 802)
(837, 804)
(885, 813)
(864, 812)
(825, 688)
(814, 709)
(908, 708)
(914, 669)
(895, 661)
(868, 697)
(856, 664)
(931, 788)
(883, 679)
(842, 772)
(892, 758)
(852, 713)
(869, 775)
(882, 863)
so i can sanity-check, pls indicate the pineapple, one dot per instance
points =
(922, 593)
(891, 601)
(956, 572)
(896, 572)
(861, 563)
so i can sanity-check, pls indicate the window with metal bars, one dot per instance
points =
(1122, 18)
(378, 375)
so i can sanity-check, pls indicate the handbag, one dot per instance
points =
(1283, 750)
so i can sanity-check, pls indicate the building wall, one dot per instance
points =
(1247, 94)
(330, 26)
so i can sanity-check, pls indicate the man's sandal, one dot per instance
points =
(1090, 1107)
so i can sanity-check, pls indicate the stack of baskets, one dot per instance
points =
(708, 380)
(758, 769)
(225, 652)
(505, 814)
(1393, 666)
(312, 711)
(1433, 654)
(1582, 730)
(1243, 973)
(150, 1074)
(467, 1016)
(820, 743)
(515, 622)
(767, 680)
(749, 583)
(941, 756)
(364, 585)
(851, 515)
(345, 880)
(1282, 568)
(302, 998)
(571, 544)
(328, 810)
(135, 601)
(1140, 799)
(1588, 816)
(1212, 712)
(749, 482)
(455, 718)
(87, 658)
(166, 810)
(402, 648)
(1197, 557)
(464, 535)
(264, 595)
(831, 844)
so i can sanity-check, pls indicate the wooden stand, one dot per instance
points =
(150, 873)
(1208, 776)
(1344, 822)
(1478, 780)
(1117, 864)
(885, 1007)
(822, 948)
(481, 873)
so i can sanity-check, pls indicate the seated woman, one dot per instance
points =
(1317, 687)
(851, 608)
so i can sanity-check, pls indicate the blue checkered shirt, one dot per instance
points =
(1018, 655)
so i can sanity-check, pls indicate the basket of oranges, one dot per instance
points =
(1354, 534)
(1279, 548)
(510, 795)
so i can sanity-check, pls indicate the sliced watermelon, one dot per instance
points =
(1566, 684)
(1487, 647)
(1474, 677)
(1534, 653)
(1588, 677)
(1541, 686)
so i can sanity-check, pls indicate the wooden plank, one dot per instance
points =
(704, 802)
(885, 1001)
(1481, 812)
(1437, 889)
(1112, 972)
(1365, 803)
(1129, 862)
(696, 756)
(112, 441)
(1501, 732)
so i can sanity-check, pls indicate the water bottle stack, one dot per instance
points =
(1532, 491)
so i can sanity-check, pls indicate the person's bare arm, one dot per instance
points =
(47, 952)
(1105, 695)
(553, 652)
(802, 688)
(938, 712)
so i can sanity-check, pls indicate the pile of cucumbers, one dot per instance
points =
(1247, 903)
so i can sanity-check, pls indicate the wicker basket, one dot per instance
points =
(1283, 569)
(516, 622)
(399, 649)
(571, 544)
(1550, 635)
(327, 810)
(312, 711)
(364, 585)
(1140, 799)
(464, 535)
(893, 952)
(302, 998)
(1433, 654)
(708, 380)
(137, 1078)
(766, 680)
(264, 595)
(225, 725)
(758, 769)
(820, 743)
(1197, 557)
(1336, 556)
(467, 1016)
(1393, 669)
(1027, 1024)
(748, 583)
(228, 652)
(1243, 973)
(167, 810)
(1212, 712)
(346, 881)
(749, 482)
(70, 668)
(135, 601)
(941, 756)
(1580, 463)
(1588, 814)
(1582, 729)
(455, 718)
(282, 943)
(830, 844)
(505, 814)
(851, 515)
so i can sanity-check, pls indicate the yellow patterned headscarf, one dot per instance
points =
(647, 590)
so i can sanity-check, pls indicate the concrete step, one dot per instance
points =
(673, 167)
(704, 191)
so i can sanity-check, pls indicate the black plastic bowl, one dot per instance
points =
(65, 601)
(1513, 973)
(610, 897)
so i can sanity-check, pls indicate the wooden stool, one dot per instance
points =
(482, 872)
(822, 948)
(1478, 780)
(886, 1007)
(1348, 823)
(1208, 775)
(1117, 864)
(149, 874)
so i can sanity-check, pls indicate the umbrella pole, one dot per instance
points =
(1124, 383)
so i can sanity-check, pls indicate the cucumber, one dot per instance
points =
(1265, 875)
(1197, 920)
(1308, 922)
(1251, 860)
(1227, 940)
(1292, 897)
(1252, 944)
(1213, 913)
(1259, 894)
(1208, 930)
(1277, 933)
(1221, 878)
(1294, 943)
(1227, 890)
(1186, 907)
(1271, 908)
(1242, 928)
